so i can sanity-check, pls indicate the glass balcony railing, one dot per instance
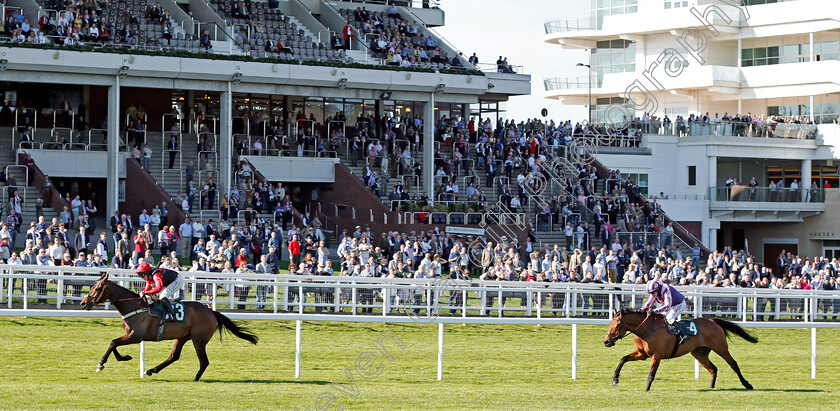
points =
(731, 129)
(739, 193)
(570, 83)
(582, 24)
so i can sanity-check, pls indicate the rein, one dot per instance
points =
(633, 331)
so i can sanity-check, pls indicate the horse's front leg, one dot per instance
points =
(130, 338)
(637, 355)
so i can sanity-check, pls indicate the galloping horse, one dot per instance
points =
(199, 325)
(652, 339)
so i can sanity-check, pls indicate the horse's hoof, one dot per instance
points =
(150, 371)
(614, 383)
(126, 358)
(748, 386)
(99, 368)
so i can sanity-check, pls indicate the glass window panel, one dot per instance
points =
(791, 50)
(616, 3)
(603, 3)
(747, 53)
(631, 9)
(760, 52)
(617, 58)
(831, 56)
(830, 46)
(773, 51)
(774, 60)
(747, 63)
(760, 62)
(602, 45)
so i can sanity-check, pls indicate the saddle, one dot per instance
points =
(685, 327)
(156, 309)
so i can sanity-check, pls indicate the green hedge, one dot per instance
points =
(213, 56)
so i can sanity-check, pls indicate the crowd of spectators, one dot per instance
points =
(399, 42)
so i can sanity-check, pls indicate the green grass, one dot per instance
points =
(49, 364)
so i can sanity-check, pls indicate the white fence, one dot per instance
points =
(439, 301)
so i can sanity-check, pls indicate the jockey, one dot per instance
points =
(160, 285)
(669, 299)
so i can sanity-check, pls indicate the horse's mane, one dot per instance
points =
(131, 294)
(628, 310)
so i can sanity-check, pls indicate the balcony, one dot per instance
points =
(767, 130)
(565, 25)
(570, 83)
(765, 204)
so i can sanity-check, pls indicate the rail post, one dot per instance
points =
(440, 352)
(574, 351)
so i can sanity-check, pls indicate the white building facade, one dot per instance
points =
(771, 60)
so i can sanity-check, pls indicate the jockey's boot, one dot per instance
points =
(168, 306)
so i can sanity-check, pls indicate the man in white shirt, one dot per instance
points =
(197, 230)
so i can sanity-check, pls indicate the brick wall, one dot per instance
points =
(142, 192)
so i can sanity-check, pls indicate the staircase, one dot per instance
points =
(359, 56)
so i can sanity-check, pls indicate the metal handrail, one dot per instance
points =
(16, 143)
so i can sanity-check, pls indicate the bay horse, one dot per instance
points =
(199, 325)
(653, 340)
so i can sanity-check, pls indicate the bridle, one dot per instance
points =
(629, 331)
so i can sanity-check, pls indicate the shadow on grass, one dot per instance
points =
(267, 382)
(762, 390)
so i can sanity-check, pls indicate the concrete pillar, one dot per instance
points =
(713, 179)
(811, 109)
(805, 187)
(811, 45)
(112, 178)
(225, 140)
(429, 147)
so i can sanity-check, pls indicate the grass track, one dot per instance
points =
(49, 364)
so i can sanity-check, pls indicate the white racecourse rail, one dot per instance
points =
(433, 300)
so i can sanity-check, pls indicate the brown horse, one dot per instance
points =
(654, 341)
(199, 325)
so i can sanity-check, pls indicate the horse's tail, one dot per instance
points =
(735, 329)
(239, 331)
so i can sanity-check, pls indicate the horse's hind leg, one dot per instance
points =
(724, 353)
(174, 356)
(702, 356)
(633, 356)
(654, 365)
(203, 362)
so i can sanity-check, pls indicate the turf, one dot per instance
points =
(49, 364)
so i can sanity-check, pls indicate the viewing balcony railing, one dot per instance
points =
(581, 24)
(767, 195)
(570, 83)
(733, 129)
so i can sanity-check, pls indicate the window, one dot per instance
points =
(613, 56)
(824, 113)
(692, 176)
(640, 180)
(602, 110)
(604, 8)
(790, 53)
(675, 4)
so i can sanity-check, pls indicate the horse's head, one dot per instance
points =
(618, 328)
(99, 293)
